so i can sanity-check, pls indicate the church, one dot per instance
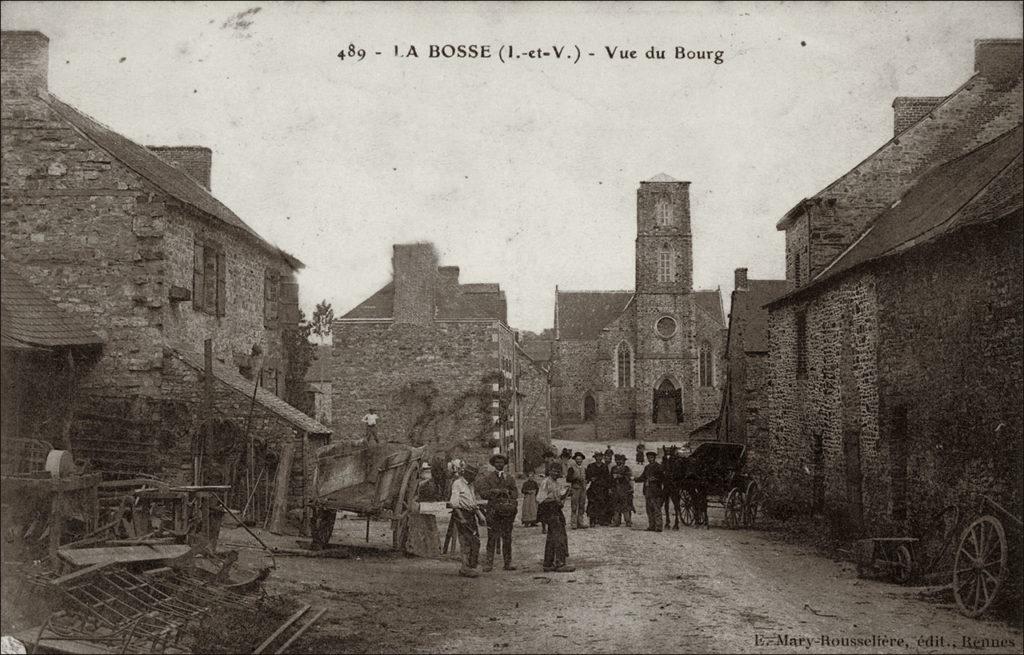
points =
(642, 363)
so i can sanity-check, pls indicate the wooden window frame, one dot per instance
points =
(209, 278)
(666, 267)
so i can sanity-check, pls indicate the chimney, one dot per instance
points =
(449, 274)
(998, 60)
(907, 110)
(24, 62)
(415, 276)
(194, 161)
(740, 279)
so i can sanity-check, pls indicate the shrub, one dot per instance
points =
(534, 447)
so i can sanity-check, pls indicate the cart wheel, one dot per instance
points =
(733, 508)
(405, 498)
(903, 566)
(752, 501)
(687, 509)
(980, 565)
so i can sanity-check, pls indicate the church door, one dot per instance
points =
(589, 408)
(667, 403)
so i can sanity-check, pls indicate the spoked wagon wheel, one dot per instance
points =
(903, 567)
(980, 565)
(403, 503)
(687, 509)
(751, 503)
(733, 508)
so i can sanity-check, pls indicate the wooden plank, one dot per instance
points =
(114, 554)
(279, 511)
(298, 633)
(78, 574)
(284, 626)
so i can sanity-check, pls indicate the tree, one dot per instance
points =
(320, 324)
(300, 352)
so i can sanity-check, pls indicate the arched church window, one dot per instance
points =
(663, 212)
(706, 362)
(623, 365)
(666, 266)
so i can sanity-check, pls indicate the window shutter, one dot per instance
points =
(221, 286)
(198, 278)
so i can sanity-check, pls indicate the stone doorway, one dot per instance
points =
(589, 408)
(668, 403)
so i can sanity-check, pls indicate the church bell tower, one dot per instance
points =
(666, 352)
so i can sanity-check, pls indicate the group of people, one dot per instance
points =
(499, 489)
(599, 494)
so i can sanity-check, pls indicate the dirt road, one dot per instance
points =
(633, 591)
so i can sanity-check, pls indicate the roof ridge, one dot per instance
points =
(895, 137)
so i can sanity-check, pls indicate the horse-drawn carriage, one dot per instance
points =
(373, 481)
(713, 475)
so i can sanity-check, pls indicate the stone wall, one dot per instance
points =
(430, 384)
(950, 359)
(810, 418)
(573, 370)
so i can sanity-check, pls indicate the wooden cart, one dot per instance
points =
(371, 481)
(982, 564)
(714, 476)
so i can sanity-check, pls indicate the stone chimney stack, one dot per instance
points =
(907, 110)
(740, 279)
(415, 277)
(194, 161)
(999, 60)
(24, 62)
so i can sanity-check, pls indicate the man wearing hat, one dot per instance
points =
(577, 479)
(599, 480)
(652, 478)
(465, 514)
(427, 490)
(622, 492)
(498, 488)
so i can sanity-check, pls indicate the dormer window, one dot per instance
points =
(663, 213)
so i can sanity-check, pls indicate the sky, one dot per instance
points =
(522, 172)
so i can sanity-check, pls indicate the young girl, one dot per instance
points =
(550, 497)
(530, 488)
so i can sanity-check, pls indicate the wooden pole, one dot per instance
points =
(279, 507)
(206, 412)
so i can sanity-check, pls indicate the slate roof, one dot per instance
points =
(962, 121)
(30, 319)
(980, 186)
(749, 307)
(538, 350)
(149, 165)
(583, 314)
(474, 301)
(267, 400)
(710, 300)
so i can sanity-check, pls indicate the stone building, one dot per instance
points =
(744, 411)
(642, 362)
(895, 360)
(131, 241)
(434, 357)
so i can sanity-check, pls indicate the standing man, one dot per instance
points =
(565, 459)
(653, 492)
(599, 480)
(498, 488)
(465, 513)
(550, 498)
(577, 479)
(671, 468)
(370, 419)
(640, 454)
(622, 492)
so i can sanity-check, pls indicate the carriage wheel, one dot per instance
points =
(400, 513)
(687, 509)
(733, 508)
(752, 502)
(903, 567)
(980, 565)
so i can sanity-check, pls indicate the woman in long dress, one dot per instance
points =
(529, 514)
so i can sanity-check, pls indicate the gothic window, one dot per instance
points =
(663, 212)
(623, 365)
(801, 345)
(666, 267)
(706, 362)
